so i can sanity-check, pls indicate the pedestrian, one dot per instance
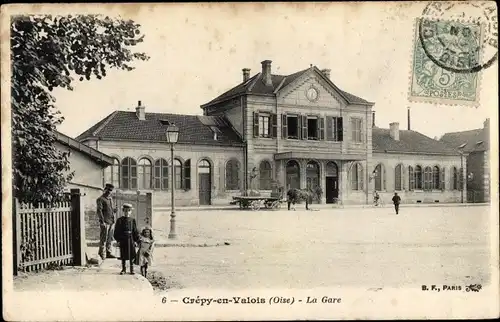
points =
(376, 198)
(396, 200)
(127, 235)
(145, 253)
(291, 195)
(106, 215)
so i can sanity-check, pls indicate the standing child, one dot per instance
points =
(146, 246)
(145, 255)
(126, 234)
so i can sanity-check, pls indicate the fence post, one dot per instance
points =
(16, 236)
(78, 228)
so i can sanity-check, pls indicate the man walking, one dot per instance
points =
(396, 200)
(106, 216)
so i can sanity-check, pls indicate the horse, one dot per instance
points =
(295, 195)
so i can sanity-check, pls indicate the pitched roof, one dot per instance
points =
(475, 140)
(98, 156)
(193, 129)
(255, 85)
(409, 142)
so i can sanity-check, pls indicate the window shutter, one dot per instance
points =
(255, 124)
(360, 177)
(299, 127)
(382, 173)
(274, 126)
(321, 128)
(442, 177)
(304, 127)
(187, 175)
(403, 182)
(340, 129)
(329, 133)
(284, 128)
(411, 178)
(222, 177)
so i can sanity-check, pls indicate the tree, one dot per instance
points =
(48, 52)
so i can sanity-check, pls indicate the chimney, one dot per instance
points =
(486, 124)
(394, 130)
(140, 111)
(373, 119)
(409, 128)
(266, 72)
(246, 74)
(326, 72)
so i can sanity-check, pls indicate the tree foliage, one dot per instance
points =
(49, 52)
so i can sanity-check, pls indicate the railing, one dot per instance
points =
(48, 234)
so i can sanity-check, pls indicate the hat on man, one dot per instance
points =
(127, 206)
(109, 186)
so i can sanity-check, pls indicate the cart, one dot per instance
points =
(257, 202)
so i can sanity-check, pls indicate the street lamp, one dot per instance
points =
(172, 137)
(462, 181)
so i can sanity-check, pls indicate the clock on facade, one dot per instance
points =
(312, 94)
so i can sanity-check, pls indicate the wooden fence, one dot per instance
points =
(49, 234)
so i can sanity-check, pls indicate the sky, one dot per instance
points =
(198, 51)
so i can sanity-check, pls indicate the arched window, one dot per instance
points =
(144, 174)
(265, 175)
(161, 174)
(233, 175)
(204, 166)
(411, 178)
(129, 173)
(379, 177)
(312, 175)
(178, 174)
(436, 178)
(331, 169)
(292, 170)
(454, 176)
(398, 177)
(418, 178)
(357, 177)
(112, 174)
(427, 178)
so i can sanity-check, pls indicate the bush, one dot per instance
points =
(160, 282)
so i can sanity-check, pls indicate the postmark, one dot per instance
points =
(460, 45)
(453, 43)
(430, 82)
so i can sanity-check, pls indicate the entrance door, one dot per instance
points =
(204, 182)
(332, 182)
(332, 189)
(204, 188)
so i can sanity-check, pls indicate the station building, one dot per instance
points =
(290, 131)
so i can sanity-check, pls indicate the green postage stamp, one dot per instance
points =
(445, 66)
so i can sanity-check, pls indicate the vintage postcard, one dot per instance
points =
(250, 161)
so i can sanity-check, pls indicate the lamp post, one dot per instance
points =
(462, 177)
(172, 137)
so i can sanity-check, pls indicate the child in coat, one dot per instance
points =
(145, 254)
(126, 234)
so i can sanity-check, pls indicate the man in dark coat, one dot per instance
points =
(106, 215)
(396, 200)
(127, 235)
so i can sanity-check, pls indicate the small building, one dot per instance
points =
(291, 131)
(88, 165)
(475, 147)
